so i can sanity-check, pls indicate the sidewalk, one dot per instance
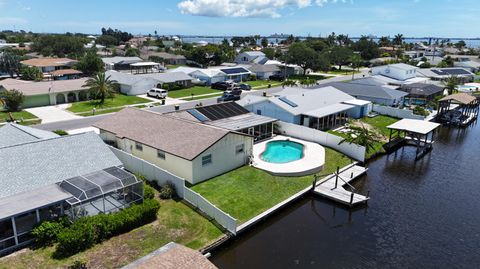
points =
(52, 113)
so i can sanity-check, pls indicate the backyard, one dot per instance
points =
(246, 192)
(118, 101)
(196, 90)
(175, 222)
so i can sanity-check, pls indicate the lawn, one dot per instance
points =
(246, 192)
(119, 100)
(21, 115)
(262, 84)
(176, 222)
(302, 77)
(342, 72)
(196, 90)
(380, 122)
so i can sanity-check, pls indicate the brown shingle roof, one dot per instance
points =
(43, 62)
(62, 72)
(183, 138)
(463, 98)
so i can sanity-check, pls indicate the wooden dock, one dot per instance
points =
(332, 187)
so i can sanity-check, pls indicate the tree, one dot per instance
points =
(398, 40)
(59, 45)
(384, 41)
(317, 44)
(451, 84)
(107, 40)
(31, 73)
(356, 61)
(368, 48)
(460, 44)
(362, 136)
(340, 56)
(9, 63)
(131, 52)
(299, 54)
(13, 99)
(91, 63)
(269, 52)
(101, 87)
(264, 42)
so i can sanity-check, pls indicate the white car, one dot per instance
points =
(157, 93)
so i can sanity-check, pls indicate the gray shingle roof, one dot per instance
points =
(421, 89)
(12, 134)
(362, 90)
(183, 138)
(121, 60)
(264, 68)
(131, 79)
(29, 166)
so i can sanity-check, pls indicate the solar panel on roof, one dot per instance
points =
(222, 111)
(288, 102)
(237, 70)
(199, 116)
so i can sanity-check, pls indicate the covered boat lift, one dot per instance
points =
(458, 109)
(418, 133)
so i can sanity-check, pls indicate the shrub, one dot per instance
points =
(167, 191)
(420, 111)
(13, 99)
(148, 192)
(47, 232)
(88, 231)
(78, 264)
(61, 132)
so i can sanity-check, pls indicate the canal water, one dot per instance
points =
(423, 214)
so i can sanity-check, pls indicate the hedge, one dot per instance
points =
(88, 231)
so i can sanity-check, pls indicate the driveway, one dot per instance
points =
(52, 113)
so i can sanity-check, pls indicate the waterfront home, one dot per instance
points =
(131, 84)
(231, 116)
(320, 108)
(398, 71)
(442, 74)
(374, 93)
(188, 149)
(44, 93)
(45, 176)
(421, 93)
(57, 68)
(251, 57)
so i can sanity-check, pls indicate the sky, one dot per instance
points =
(412, 18)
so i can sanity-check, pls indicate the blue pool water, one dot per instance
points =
(282, 151)
(467, 88)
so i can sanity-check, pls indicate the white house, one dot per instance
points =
(264, 71)
(188, 149)
(320, 108)
(397, 71)
(249, 57)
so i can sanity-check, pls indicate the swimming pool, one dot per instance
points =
(282, 151)
(467, 88)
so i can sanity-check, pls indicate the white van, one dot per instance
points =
(157, 93)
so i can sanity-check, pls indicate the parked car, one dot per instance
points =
(157, 93)
(276, 77)
(244, 87)
(199, 82)
(222, 85)
(228, 97)
(234, 91)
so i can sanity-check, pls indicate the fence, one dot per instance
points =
(354, 151)
(154, 173)
(396, 112)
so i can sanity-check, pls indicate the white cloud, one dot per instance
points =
(244, 8)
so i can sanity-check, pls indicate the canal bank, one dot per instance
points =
(423, 215)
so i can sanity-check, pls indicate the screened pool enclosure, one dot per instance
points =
(103, 191)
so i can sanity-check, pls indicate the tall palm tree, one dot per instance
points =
(9, 63)
(101, 87)
(398, 39)
(384, 41)
(361, 136)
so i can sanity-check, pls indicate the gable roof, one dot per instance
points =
(421, 89)
(463, 98)
(362, 90)
(43, 87)
(44, 62)
(183, 138)
(258, 68)
(31, 165)
(121, 60)
(403, 66)
(254, 53)
(131, 79)
(13, 134)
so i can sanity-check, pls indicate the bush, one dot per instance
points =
(420, 111)
(88, 231)
(148, 192)
(47, 232)
(60, 132)
(31, 73)
(13, 99)
(167, 191)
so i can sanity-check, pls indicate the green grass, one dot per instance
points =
(203, 97)
(172, 66)
(380, 122)
(262, 84)
(21, 115)
(119, 100)
(196, 90)
(341, 72)
(246, 192)
(176, 222)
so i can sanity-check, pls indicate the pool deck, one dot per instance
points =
(312, 161)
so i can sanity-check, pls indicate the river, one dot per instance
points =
(422, 214)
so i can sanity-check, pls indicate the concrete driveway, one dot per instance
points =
(52, 113)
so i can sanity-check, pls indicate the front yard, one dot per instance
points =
(262, 84)
(118, 101)
(21, 115)
(175, 222)
(196, 90)
(246, 192)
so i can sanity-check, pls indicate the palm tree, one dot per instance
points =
(361, 136)
(9, 63)
(451, 84)
(398, 40)
(356, 61)
(101, 87)
(384, 41)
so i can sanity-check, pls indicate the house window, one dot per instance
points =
(207, 159)
(239, 149)
(161, 154)
(138, 146)
(259, 112)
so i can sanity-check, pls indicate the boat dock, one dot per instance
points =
(332, 186)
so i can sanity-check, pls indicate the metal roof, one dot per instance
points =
(31, 165)
(415, 126)
(328, 110)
